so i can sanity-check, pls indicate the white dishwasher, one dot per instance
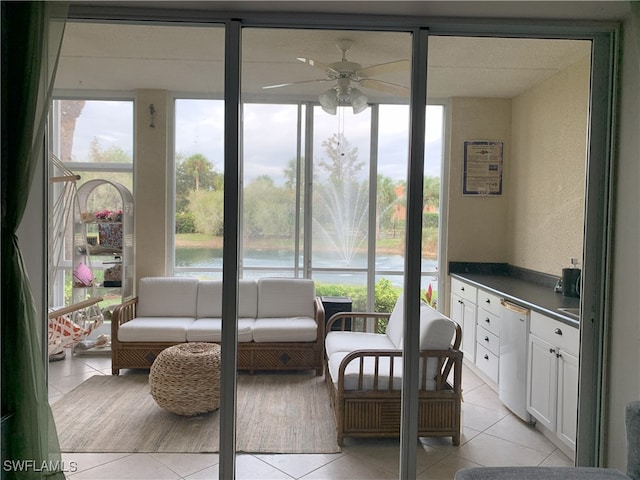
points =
(512, 380)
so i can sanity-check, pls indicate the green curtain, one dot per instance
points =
(31, 39)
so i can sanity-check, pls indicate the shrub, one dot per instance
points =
(430, 220)
(185, 223)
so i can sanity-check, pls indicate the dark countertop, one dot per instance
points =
(519, 289)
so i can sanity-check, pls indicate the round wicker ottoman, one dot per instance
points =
(185, 378)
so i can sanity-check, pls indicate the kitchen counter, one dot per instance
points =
(529, 289)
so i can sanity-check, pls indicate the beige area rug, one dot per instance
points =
(276, 414)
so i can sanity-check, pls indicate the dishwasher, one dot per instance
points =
(512, 369)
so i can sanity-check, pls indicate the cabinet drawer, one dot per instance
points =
(487, 362)
(466, 291)
(488, 340)
(556, 333)
(489, 301)
(489, 321)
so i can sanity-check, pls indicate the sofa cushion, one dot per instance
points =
(285, 297)
(155, 329)
(210, 330)
(285, 329)
(210, 299)
(395, 326)
(349, 341)
(167, 297)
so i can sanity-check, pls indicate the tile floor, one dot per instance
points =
(491, 436)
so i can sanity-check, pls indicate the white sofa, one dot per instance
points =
(364, 375)
(280, 322)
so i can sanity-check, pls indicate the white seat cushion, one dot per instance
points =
(290, 329)
(210, 330)
(351, 374)
(285, 297)
(167, 297)
(349, 341)
(155, 329)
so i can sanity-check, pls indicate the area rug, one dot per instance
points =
(275, 414)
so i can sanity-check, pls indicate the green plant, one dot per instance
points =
(185, 222)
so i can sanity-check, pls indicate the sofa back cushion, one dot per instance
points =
(210, 299)
(285, 297)
(395, 326)
(167, 297)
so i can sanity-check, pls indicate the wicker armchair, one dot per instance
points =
(364, 384)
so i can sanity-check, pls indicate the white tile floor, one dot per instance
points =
(491, 436)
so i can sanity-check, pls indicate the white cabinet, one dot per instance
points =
(552, 390)
(488, 334)
(463, 311)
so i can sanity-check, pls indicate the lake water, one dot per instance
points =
(265, 259)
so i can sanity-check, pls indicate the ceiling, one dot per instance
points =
(190, 59)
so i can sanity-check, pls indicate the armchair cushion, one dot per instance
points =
(349, 341)
(395, 326)
(352, 372)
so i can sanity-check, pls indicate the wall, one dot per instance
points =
(477, 229)
(546, 173)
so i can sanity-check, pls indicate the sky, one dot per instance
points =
(270, 133)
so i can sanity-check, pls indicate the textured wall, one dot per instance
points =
(477, 229)
(546, 172)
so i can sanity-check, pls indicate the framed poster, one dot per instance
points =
(482, 174)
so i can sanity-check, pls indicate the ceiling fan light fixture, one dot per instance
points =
(329, 101)
(358, 100)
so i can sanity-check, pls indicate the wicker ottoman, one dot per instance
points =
(185, 378)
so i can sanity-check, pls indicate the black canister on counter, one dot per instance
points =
(570, 282)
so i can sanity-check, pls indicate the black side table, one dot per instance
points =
(333, 305)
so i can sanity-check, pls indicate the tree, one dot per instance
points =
(193, 174)
(431, 193)
(208, 212)
(268, 210)
(386, 198)
(342, 163)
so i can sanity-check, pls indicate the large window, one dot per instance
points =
(323, 191)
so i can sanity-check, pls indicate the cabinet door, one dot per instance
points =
(567, 397)
(464, 314)
(542, 384)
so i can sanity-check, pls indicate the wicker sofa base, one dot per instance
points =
(251, 356)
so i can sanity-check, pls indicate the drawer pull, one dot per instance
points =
(462, 289)
(487, 301)
(558, 355)
(486, 339)
(486, 357)
(557, 331)
(551, 350)
(488, 320)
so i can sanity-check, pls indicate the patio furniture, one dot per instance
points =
(280, 322)
(185, 379)
(364, 375)
(569, 473)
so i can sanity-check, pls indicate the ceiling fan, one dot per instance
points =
(346, 73)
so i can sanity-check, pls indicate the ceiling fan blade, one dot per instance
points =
(279, 85)
(391, 67)
(386, 87)
(320, 65)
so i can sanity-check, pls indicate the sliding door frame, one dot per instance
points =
(595, 303)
